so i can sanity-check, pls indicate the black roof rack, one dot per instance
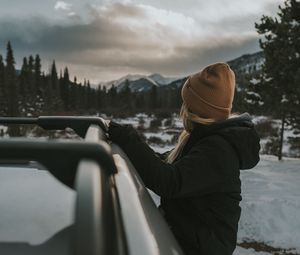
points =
(79, 124)
(60, 157)
(86, 166)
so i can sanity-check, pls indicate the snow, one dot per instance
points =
(271, 203)
(3, 130)
(161, 80)
(161, 149)
(177, 121)
(249, 101)
(155, 79)
(254, 81)
(268, 79)
(136, 120)
(252, 93)
(162, 135)
(139, 118)
(284, 99)
(258, 119)
(295, 23)
(129, 77)
(242, 251)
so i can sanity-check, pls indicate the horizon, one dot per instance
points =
(103, 41)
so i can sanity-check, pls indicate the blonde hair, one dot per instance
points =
(188, 118)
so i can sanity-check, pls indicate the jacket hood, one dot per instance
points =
(240, 133)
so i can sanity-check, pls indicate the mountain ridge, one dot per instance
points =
(243, 65)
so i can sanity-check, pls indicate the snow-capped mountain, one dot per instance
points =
(242, 66)
(246, 66)
(139, 83)
(248, 63)
(161, 80)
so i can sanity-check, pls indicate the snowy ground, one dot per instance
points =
(143, 120)
(271, 203)
(242, 251)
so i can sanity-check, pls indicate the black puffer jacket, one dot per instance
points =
(200, 191)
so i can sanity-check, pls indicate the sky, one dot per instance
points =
(103, 40)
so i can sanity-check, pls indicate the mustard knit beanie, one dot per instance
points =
(209, 93)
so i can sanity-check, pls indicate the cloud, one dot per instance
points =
(60, 5)
(121, 37)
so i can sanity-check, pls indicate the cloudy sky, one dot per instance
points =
(106, 39)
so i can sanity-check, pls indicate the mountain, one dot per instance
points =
(139, 83)
(245, 67)
(161, 80)
(248, 64)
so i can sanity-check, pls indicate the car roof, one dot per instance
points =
(34, 205)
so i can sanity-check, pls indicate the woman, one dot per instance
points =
(198, 181)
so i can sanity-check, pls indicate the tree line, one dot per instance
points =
(31, 92)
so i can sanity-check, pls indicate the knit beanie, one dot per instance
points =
(209, 93)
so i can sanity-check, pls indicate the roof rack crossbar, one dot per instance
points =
(79, 124)
(60, 157)
(18, 120)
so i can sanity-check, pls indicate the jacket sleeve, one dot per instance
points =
(194, 174)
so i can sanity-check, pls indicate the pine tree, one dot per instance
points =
(104, 98)
(39, 90)
(23, 76)
(55, 102)
(37, 74)
(73, 96)
(91, 97)
(65, 88)
(24, 91)
(281, 74)
(125, 102)
(10, 80)
(11, 85)
(250, 99)
(32, 96)
(153, 97)
(112, 95)
(99, 102)
(54, 78)
(3, 92)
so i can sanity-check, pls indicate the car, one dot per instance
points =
(113, 211)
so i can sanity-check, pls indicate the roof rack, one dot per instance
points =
(79, 124)
(84, 165)
(60, 157)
